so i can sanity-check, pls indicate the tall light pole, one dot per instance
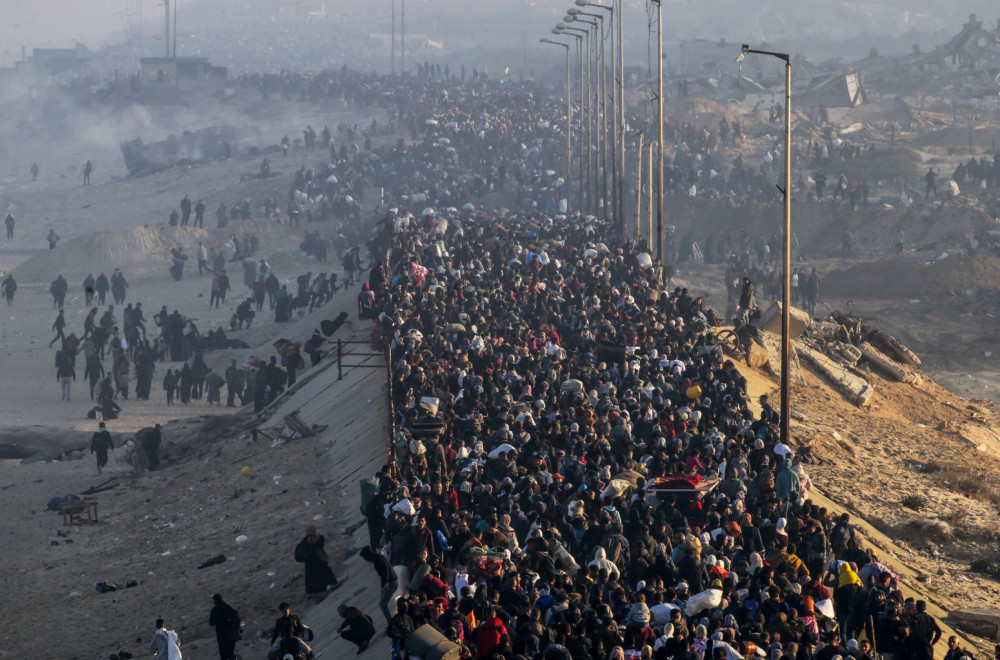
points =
(601, 105)
(402, 37)
(569, 119)
(786, 276)
(621, 115)
(603, 145)
(584, 37)
(392, 57)
(583, 164)
(610, 152)
(659, 129)
(166, 34)
(618, 102)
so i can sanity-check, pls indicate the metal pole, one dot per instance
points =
(621, 112)
(583, 52)
(584, 132)
(649, 199)
(166, 34)
(615, 172)
(659, 130)
(402, 37)
(603, 116)
(569, 134)
(393, 56)
(638, 187)
(786, 286)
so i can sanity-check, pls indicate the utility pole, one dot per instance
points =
(166, 33)
(613, 152)
(638, 188)
(621, 110)
(176, 4)
(659, 130)
(649, 198)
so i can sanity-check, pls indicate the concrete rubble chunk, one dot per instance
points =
(982, 622)
(888, 366)
(770, 320)
(857, 390)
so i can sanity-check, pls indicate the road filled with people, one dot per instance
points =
(579, 472)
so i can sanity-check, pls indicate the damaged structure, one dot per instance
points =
(206, 143)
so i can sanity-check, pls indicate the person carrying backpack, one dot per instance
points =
(226, 621)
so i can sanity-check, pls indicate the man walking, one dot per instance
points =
(165, 644)
(747, 301)
(199, 214)
(234, 383)
(9, 221)
(58, 326)
(202, 258)
(226, 621)
(185, 210)
(100, 444)
(387, 577)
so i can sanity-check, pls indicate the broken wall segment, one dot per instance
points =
(857, 390)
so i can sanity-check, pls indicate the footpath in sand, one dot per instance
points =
(158, 528)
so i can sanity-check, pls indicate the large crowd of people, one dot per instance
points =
(580, 473)
(577, 471)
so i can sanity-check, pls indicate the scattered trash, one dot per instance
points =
(242, 538)
(103, 587)
(217, 559)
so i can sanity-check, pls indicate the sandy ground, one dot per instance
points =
(156, 528)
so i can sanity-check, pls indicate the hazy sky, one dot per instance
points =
(61, 23)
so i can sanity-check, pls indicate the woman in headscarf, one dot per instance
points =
(700, 641)
(504, 526)
(848, 586)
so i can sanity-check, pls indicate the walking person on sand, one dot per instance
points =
(226, 621)
(319, 575)
(165, 644)
(100, 444)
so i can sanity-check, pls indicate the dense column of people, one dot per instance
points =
(579, 472)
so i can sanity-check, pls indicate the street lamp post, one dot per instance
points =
(601, 101)
(618, 103)
(659, 129)
(402, 37)
(786, 277)
(614, 145)
(620, 118)
(569, 119)
(584, 37)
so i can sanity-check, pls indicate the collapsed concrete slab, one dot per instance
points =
(770, 320)
(982, 622)
(857, 390)
(888, 366)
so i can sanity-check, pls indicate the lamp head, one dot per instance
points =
(739, 58)
(558, 28)
(582, 3)
(745, 48)
(569, 18)
(572, 11)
